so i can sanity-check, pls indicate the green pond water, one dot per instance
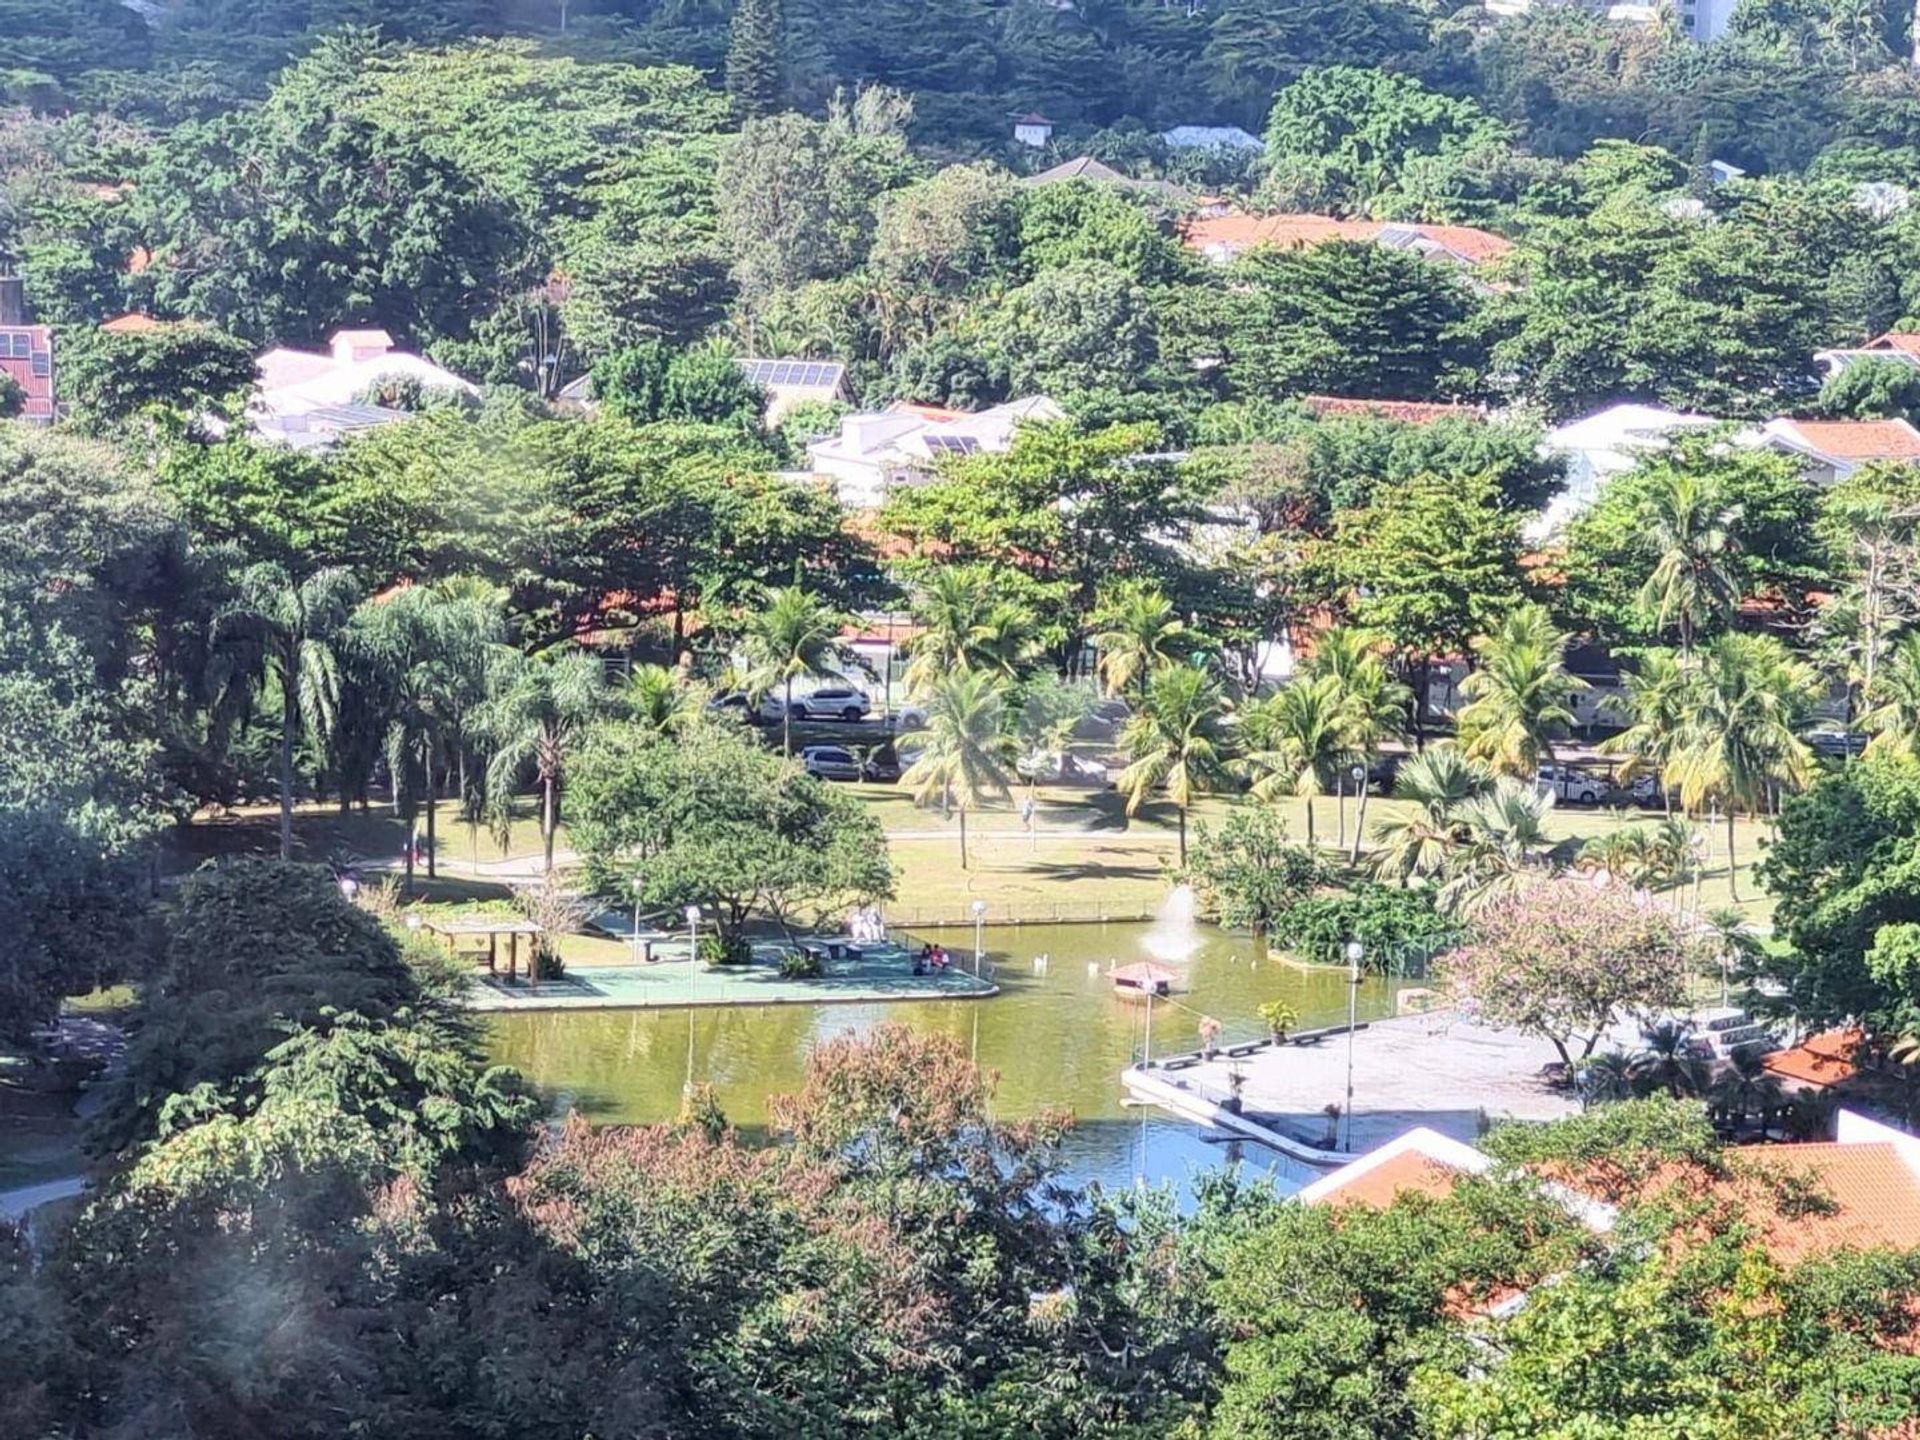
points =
(1055, 1035)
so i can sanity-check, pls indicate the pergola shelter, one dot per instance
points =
(492, 928)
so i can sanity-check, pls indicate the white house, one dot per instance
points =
(877, 451)
(1600, 446)
(1831, 450)
(1032, 129)
(1901, 346)
(330, 388)
(790, 383)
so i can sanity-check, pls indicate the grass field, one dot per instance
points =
(1088, 859)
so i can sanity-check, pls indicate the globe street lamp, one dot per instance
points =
(1359, 774)
(1356, 952)
(979, 918)
(693, 973)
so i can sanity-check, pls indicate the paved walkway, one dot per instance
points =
(15, 1205)
(669, 984)
(1438, 1070)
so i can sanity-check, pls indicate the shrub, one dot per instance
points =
(1279, 1017)
(725, 950)
(798, 965)
(1393, 924)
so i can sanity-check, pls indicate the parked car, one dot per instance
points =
(831, 702)
(1836, 741)
(1575, 786)
(883, 766)
(910, 716)
(830, 762)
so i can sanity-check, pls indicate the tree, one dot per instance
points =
(796, 195)
(1561, 959)
(1656, 704)
(1373, 705)
(1893, 716)
(1433, 563)
(1175, 740)
(73, 912)
(967, 623)
(963, 756)
(1739, 746)
(532, 719)
(1871, 390)
(792, 634)
(13, 398)
(284, 634)
(186, 367)
(1246, 873)
(1439, 784)
(433, 646)
(1294, 742)
(1691, 583)
(1518, 698)
(707, 816)
(1349, 318)
(756, 58)
(658, 700)
(1138, 633)
(1076, 330)
(1342, 136)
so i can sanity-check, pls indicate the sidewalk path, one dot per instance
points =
(16, 1204)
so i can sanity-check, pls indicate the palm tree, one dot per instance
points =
(966, 625)
(284, 633)
(1294, 742)
(964, 751)
(1739, 742)
(1506, 844)
(1518, 697)
(1137, 632)
(432, 646)
(1666, 1060)
(1893, 716)
(1373, 705)
(658, 699)
(1693, 581)
(1174, 740)
(1657, 700)
(533, 717)
(793, 634)
(1437, 783)
(1604, 1078)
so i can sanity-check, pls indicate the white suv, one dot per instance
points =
(831, 702)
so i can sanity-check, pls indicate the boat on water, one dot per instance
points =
(1146, 978)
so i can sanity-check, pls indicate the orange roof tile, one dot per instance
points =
(1235, 233)
(1407, 1172)
(1482, 247)
(1903, 340)
(132, 325)
(1871, 1195)
(1860, 439)
(1822, 1060)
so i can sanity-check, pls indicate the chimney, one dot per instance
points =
(351, 346)
(13, 300)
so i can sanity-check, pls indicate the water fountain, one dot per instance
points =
(1174, 936)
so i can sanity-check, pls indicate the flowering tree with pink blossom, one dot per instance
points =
(1562, 958)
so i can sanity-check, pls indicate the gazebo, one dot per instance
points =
(1144, 978)
(492, 927)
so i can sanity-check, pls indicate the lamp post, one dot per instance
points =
(979, 919)
(636, 919)
(1355, 953)
(1359, 773)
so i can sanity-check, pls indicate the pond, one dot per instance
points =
(1055, 1035)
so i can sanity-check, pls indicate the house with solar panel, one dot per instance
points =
(877, 452)
(26, 351)
(792, 383)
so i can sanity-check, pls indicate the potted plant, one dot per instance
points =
(1236, 1087)
(1279, 1018)
(1209, 1036)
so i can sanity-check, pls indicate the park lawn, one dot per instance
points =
(1090, 859)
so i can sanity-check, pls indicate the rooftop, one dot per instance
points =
(1231, 234)
(1411, 412)
(1854, 440)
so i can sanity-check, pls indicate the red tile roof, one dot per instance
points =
(1235, 233)
(1823, 1060)
(1409, 1172)
(1903, 340)
(1867, 1198)
(132, 325)
(1412, 412)
(1859, 439)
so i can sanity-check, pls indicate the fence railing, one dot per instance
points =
(1020, 912)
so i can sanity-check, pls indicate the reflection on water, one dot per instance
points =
(1056, 1036)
